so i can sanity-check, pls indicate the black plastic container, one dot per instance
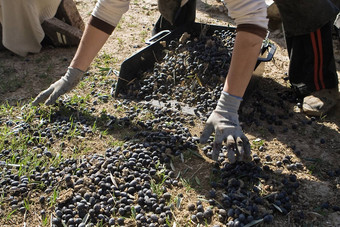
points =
(133, 67)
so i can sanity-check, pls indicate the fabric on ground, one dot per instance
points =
(21, 23)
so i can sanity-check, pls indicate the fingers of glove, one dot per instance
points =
(53, 97)
(220, 136)
(247, 150)
(208, 129)
(243, 147)
(240, 149)
(231, 149)
(61, 88)
(216, 150)
(43, 96)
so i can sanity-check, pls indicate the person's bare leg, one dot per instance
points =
(90, 44)
(246, 50)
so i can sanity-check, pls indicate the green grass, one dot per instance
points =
(45, 220)
(115, 143)
(157, 187)
(27, 204)
(39, 118)
(133, 212)
(186, 184)
(13, 83)
(120, 41)
(143, 34)
(9, 215)
(2, 198)
(41, 59)
(104, 62)
(257, 143)
(314, 166)
(54, 197)
(132, 25)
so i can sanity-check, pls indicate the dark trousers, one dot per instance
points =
(185, 16)
(312, 64)
(1, 45)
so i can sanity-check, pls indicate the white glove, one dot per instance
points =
(60, 87)
(224, 120)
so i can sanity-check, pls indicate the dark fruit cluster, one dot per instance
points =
(192, 71)
(131, 180)
(242, 186)
(123, 183)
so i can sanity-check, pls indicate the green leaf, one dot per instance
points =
(277, 207)
(133, 212)
(196, 154)
(172, 166)
(179, 200)
(255, 222)
(197, 180)
(104, 69)
(86, 217)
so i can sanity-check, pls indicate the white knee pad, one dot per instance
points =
(110, 11)
(248, 12)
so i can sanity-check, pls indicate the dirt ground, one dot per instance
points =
(316, 145)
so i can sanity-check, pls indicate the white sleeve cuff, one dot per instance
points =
(248, 12)
(110, 11)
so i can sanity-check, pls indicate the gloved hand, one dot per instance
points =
(60, 87)
(224, 120)
(169, 8)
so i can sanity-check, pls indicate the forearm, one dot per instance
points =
(251, 21)
(92, 41)
(104, 19)
(246, 50)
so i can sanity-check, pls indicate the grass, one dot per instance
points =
(23, 156)
(54, 197)
(314, 166)
(96, 81)
(186, 184)
(41, 59)
(157, 187)
(257, 143)
(189, 154)
(9, 215)
(82, 148)
(132, 25)
(43, 75)
(105, 61)
(115, 143)
(13, 83)
(133, 213)
(120, 41)
(45, 220)
(27, 204)
(143, 35)
(2, 198)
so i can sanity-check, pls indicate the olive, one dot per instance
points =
(191, 207)
(268, 218)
